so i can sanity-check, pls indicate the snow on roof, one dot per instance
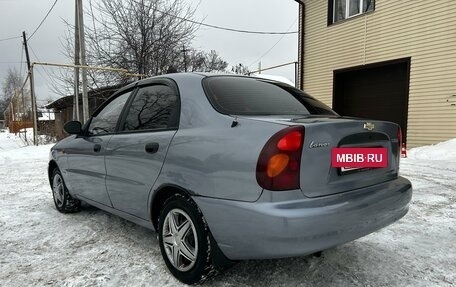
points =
(45, 115)
(274, 78)
(441, 151)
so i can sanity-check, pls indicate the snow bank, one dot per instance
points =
(9, 141)
(13, 148)
(442, 151)
(24, 138)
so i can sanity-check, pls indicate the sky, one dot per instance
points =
(249, 49)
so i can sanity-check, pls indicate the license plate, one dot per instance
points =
(359, 158)
(345, 169)
(351, 170)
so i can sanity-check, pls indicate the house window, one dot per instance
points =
(344, 9)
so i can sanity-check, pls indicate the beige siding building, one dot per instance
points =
(385, 59)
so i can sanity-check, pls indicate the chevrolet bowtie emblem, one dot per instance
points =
(369, 126)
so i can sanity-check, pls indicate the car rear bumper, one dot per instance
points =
(260, 230)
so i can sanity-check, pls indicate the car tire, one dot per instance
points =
(63, 201)
(188, 249)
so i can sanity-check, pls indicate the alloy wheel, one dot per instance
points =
(180, 239)
(58, 189)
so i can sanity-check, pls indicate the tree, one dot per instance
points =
(10, 87)
(240, 69)
(149, 37)
(142, 36)
(200, 61)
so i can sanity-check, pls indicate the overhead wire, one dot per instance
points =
(51, 80)
(235, 30)
(42, 21)
(10, 38)
(216, 26)
(273, 46)
(225, 28)
(10, 62)
(36, 29)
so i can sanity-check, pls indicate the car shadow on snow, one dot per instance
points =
(297, 271)
(354, 263)
(369, 261)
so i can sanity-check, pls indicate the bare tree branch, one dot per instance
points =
(141, 36)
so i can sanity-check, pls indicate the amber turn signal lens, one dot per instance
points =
(277, 164)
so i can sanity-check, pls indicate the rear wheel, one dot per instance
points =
(62, 198)
(188, 249)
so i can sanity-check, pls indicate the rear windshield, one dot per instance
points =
(252, 96)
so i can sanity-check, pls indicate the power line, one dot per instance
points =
(225, 28)
(11, 62)
(273, 46)
(44, 19)
(47, 73)
(237, 30)
(10, 38)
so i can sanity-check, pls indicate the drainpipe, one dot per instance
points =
(302, 17)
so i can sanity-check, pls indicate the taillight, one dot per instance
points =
(279, 164)
(291, 141)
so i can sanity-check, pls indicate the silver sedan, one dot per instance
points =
(229, 168)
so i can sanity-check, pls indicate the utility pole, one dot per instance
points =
(85, 100)
(23, 110)
(77, 53)
(296, 75)
(32, 90)
(185, 57)
(259, 68)
(301, 42)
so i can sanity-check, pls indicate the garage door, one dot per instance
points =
(378, 91)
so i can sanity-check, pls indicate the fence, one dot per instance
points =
(17, 126)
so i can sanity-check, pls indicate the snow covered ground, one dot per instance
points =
(40, 247)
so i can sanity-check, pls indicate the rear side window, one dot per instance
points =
(154, 107)
(251, 96)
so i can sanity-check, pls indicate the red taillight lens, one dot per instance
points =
(291, 141)
(278, 166)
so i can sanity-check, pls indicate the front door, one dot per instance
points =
(135, 155)
(86, 154)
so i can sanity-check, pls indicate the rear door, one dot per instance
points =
(135, 155)
(86, 163)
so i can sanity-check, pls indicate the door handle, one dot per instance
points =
(152, 147)
(97, 148)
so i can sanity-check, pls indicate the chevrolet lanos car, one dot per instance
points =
(228, 168)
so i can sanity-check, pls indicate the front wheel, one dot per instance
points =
(186, 244)
(62, 198)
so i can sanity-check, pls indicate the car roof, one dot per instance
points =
(178, 76)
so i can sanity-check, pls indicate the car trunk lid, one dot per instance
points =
(322, 133)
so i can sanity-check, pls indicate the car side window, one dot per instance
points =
(106, 120)
(154, 107)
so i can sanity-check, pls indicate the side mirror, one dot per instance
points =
(73, 128)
